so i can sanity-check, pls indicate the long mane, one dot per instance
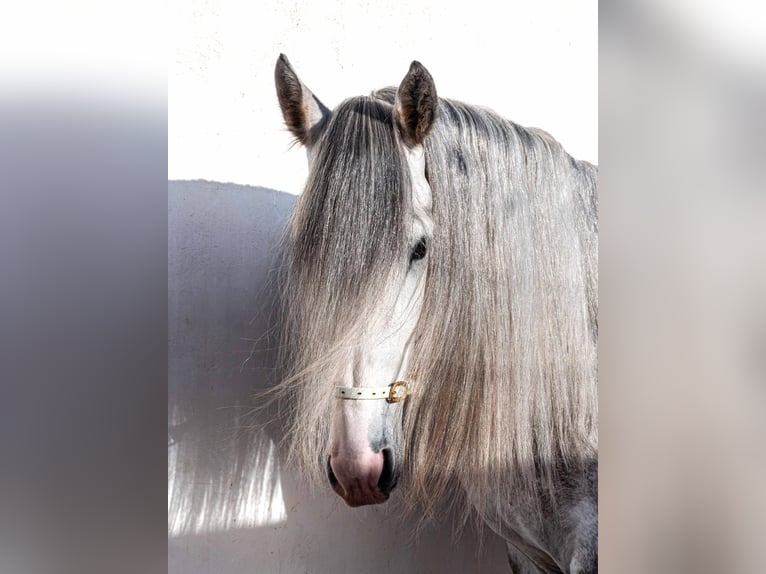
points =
(344, 240)
(504, 367)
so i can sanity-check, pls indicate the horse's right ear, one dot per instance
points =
(304, 114)
(416, 105)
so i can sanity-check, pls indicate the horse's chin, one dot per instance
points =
(355, 500)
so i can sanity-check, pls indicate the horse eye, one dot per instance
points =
(419, 251)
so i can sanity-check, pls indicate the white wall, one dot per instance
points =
(535, 62)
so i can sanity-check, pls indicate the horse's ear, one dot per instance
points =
(302, 110)
(416, 105)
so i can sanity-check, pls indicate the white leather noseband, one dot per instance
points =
(393, 393)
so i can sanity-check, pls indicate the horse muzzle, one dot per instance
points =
(359, 473)
(364, 478)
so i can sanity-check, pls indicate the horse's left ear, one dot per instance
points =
(304, 114)
(416, 105)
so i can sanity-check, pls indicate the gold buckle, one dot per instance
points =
(394, 394)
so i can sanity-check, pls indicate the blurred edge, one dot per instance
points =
(83, 337)
(682, 312)
(83, 288)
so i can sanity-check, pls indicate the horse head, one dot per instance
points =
(357, 258)
(441, 314)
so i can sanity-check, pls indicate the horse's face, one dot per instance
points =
(364, 445)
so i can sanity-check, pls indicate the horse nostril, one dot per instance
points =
(387, 480)
(331, 474)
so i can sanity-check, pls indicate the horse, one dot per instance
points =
(440, 315)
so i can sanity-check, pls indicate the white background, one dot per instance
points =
(535, 62)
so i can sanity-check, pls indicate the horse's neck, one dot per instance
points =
(553, 540)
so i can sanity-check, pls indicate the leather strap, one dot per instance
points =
(392, 393)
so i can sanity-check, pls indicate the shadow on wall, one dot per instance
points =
(221, 247)
(232, 505)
